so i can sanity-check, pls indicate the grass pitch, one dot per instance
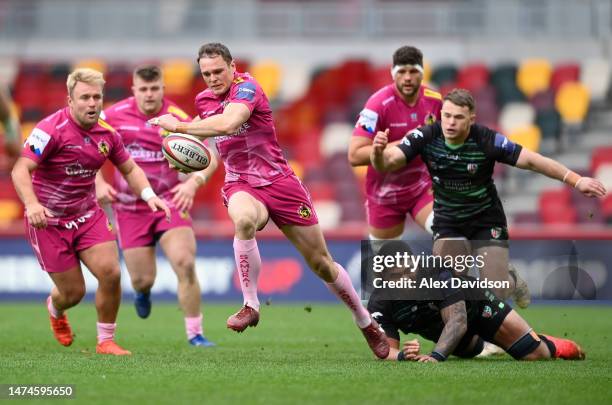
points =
(293, 356)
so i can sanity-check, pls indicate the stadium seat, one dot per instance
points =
(549, 122)
(297, 167)
(529, 137)
(543, 100)
(572, 102)
(269, 75)
(10, 210)
(516, 115)
(335, 139)
(533, 76)
(604, 174)
(443, 74)
(177, 75)
(563, 73)
(473, 77)
(503, 79)
(595, 75)
(294, 81)
(555, 207)
(96, 64)
(329, 213)
(381, 77)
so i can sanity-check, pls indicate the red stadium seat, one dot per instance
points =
(473, 77)
(555, 207)
(600, 156)
(567, 72)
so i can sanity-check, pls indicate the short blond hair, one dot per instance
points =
(85, 75)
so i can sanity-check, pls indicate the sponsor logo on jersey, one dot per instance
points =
(416, 133)
(246, 91)
(472, 168)
(496, 232)
(76, 169)
(37, 141)
(487, 312)
(503, 143)
(367, 120)
(103, 148)
(304, 211)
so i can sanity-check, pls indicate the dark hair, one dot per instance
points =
(462, 98)
(213, 49)
(408, 55)
(148, 73)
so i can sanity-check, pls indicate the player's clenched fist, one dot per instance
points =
(411, 349)
(380, 141)
(166, 121)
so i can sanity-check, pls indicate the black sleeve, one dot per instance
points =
(497, 146)
(380, 313)
(415, 140)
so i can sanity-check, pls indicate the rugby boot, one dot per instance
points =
(567, 349)
(200, 340)
(377, 340)
(110, 347)
(242, 319)
(143, 304)
(61, 328)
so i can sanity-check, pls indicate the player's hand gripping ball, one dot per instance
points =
(185, 153)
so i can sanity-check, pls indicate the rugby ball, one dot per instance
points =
(185, 152)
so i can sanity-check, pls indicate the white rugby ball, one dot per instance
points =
(185, 152)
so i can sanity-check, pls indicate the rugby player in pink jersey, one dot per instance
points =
(54, 178)
(260, 185)
(139, 229)
(396, 109)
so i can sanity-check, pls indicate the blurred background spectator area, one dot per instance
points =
(320, 61)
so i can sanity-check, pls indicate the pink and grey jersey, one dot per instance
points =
(144, 144)
(68, 158)
(387, 109)
(252, 153)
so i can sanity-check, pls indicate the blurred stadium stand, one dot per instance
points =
(320, 61)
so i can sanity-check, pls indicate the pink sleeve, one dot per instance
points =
(118, 154)
(368, 122)
(247, 93)
(39, 144)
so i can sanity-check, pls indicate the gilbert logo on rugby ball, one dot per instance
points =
(186, 152)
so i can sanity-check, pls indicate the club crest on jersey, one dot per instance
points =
(103, 148)
(414, 116)
(487, 312)
(496, 232)
(430, 119)
(304, 211)
(472, 167)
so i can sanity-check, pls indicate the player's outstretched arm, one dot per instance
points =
(360, 149)
(22, 180)
(138, 182)
(535, 162)
(455, 326)
(227, 123)
(386, 159)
